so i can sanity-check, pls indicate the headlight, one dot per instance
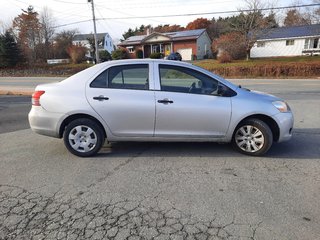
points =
(281, 106)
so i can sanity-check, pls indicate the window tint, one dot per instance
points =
(129, 77)
(100, 81)
(180, 79)
(125, 77)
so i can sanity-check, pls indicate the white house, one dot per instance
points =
(288, 41)
(104, 42)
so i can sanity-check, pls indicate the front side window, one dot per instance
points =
(185, 80)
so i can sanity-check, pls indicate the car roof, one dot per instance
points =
(145, 60)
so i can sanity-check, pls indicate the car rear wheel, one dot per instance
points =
(83, 137)
(252, 137)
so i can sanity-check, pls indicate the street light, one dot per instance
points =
(95, 31)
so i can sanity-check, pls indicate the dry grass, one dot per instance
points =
(273, 67)
(43, 70)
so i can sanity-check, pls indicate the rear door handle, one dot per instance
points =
(101, 98)
(165, 101)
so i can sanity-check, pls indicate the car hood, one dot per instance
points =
(260, 95)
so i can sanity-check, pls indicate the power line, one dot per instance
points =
(195, 14)
(213, 13)
(73, 23)
(68, 2)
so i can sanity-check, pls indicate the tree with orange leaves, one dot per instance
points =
(27, 29)
(198, 24)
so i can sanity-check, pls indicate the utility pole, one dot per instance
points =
(95, 32)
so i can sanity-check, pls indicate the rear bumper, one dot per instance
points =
(285, 123)
(44, 122)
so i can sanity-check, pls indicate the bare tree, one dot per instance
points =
(5, 26)
(316, 13)
(249, 23)
(295, 18)
(47, 22)
(63, 40)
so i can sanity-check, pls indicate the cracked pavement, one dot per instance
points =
(165, 190)
(29, 215)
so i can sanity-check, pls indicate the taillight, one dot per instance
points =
(36, 98)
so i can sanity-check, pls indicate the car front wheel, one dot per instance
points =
(252, 137)
(83, 137)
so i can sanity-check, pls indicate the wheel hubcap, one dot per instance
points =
(249, 138)
(82, 138)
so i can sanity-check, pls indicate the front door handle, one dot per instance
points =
(101, 98)
(165, 101)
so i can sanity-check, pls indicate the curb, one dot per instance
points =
(16, 92)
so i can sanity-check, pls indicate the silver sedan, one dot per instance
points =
(156, 100)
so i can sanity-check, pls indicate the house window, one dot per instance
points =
(261, 44)
(290, 42)
(130, 49)
(306, 43)
(316, 43)
(311, 43)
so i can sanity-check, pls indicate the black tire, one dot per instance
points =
(252, 137)
(83, 137)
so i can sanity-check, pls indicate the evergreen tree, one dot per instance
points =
(10, 54)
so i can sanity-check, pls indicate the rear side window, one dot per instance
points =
(124, 77)
(129, 77)
(100, 81)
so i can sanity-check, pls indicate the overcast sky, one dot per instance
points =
(70, 11)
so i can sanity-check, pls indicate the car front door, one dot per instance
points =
(121, 96)
(188, 104)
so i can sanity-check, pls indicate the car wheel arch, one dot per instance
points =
(73, 117)
(266, 119)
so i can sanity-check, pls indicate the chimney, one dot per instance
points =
(148, 31)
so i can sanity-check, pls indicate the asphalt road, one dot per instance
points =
(166, 190)
(13, 113)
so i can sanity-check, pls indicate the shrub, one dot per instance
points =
(233, 43)
(76, 53)
(120, 53)
(224, 57)
(139, 53)
(156, 55)
(104, 56)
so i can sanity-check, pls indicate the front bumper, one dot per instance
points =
(285, 123)
(44, 122)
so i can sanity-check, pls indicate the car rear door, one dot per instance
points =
(188, 105)
(121, 96)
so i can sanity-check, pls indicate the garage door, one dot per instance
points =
(185, 53)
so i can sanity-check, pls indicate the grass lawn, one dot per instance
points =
(207, 63)
(305, 66)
